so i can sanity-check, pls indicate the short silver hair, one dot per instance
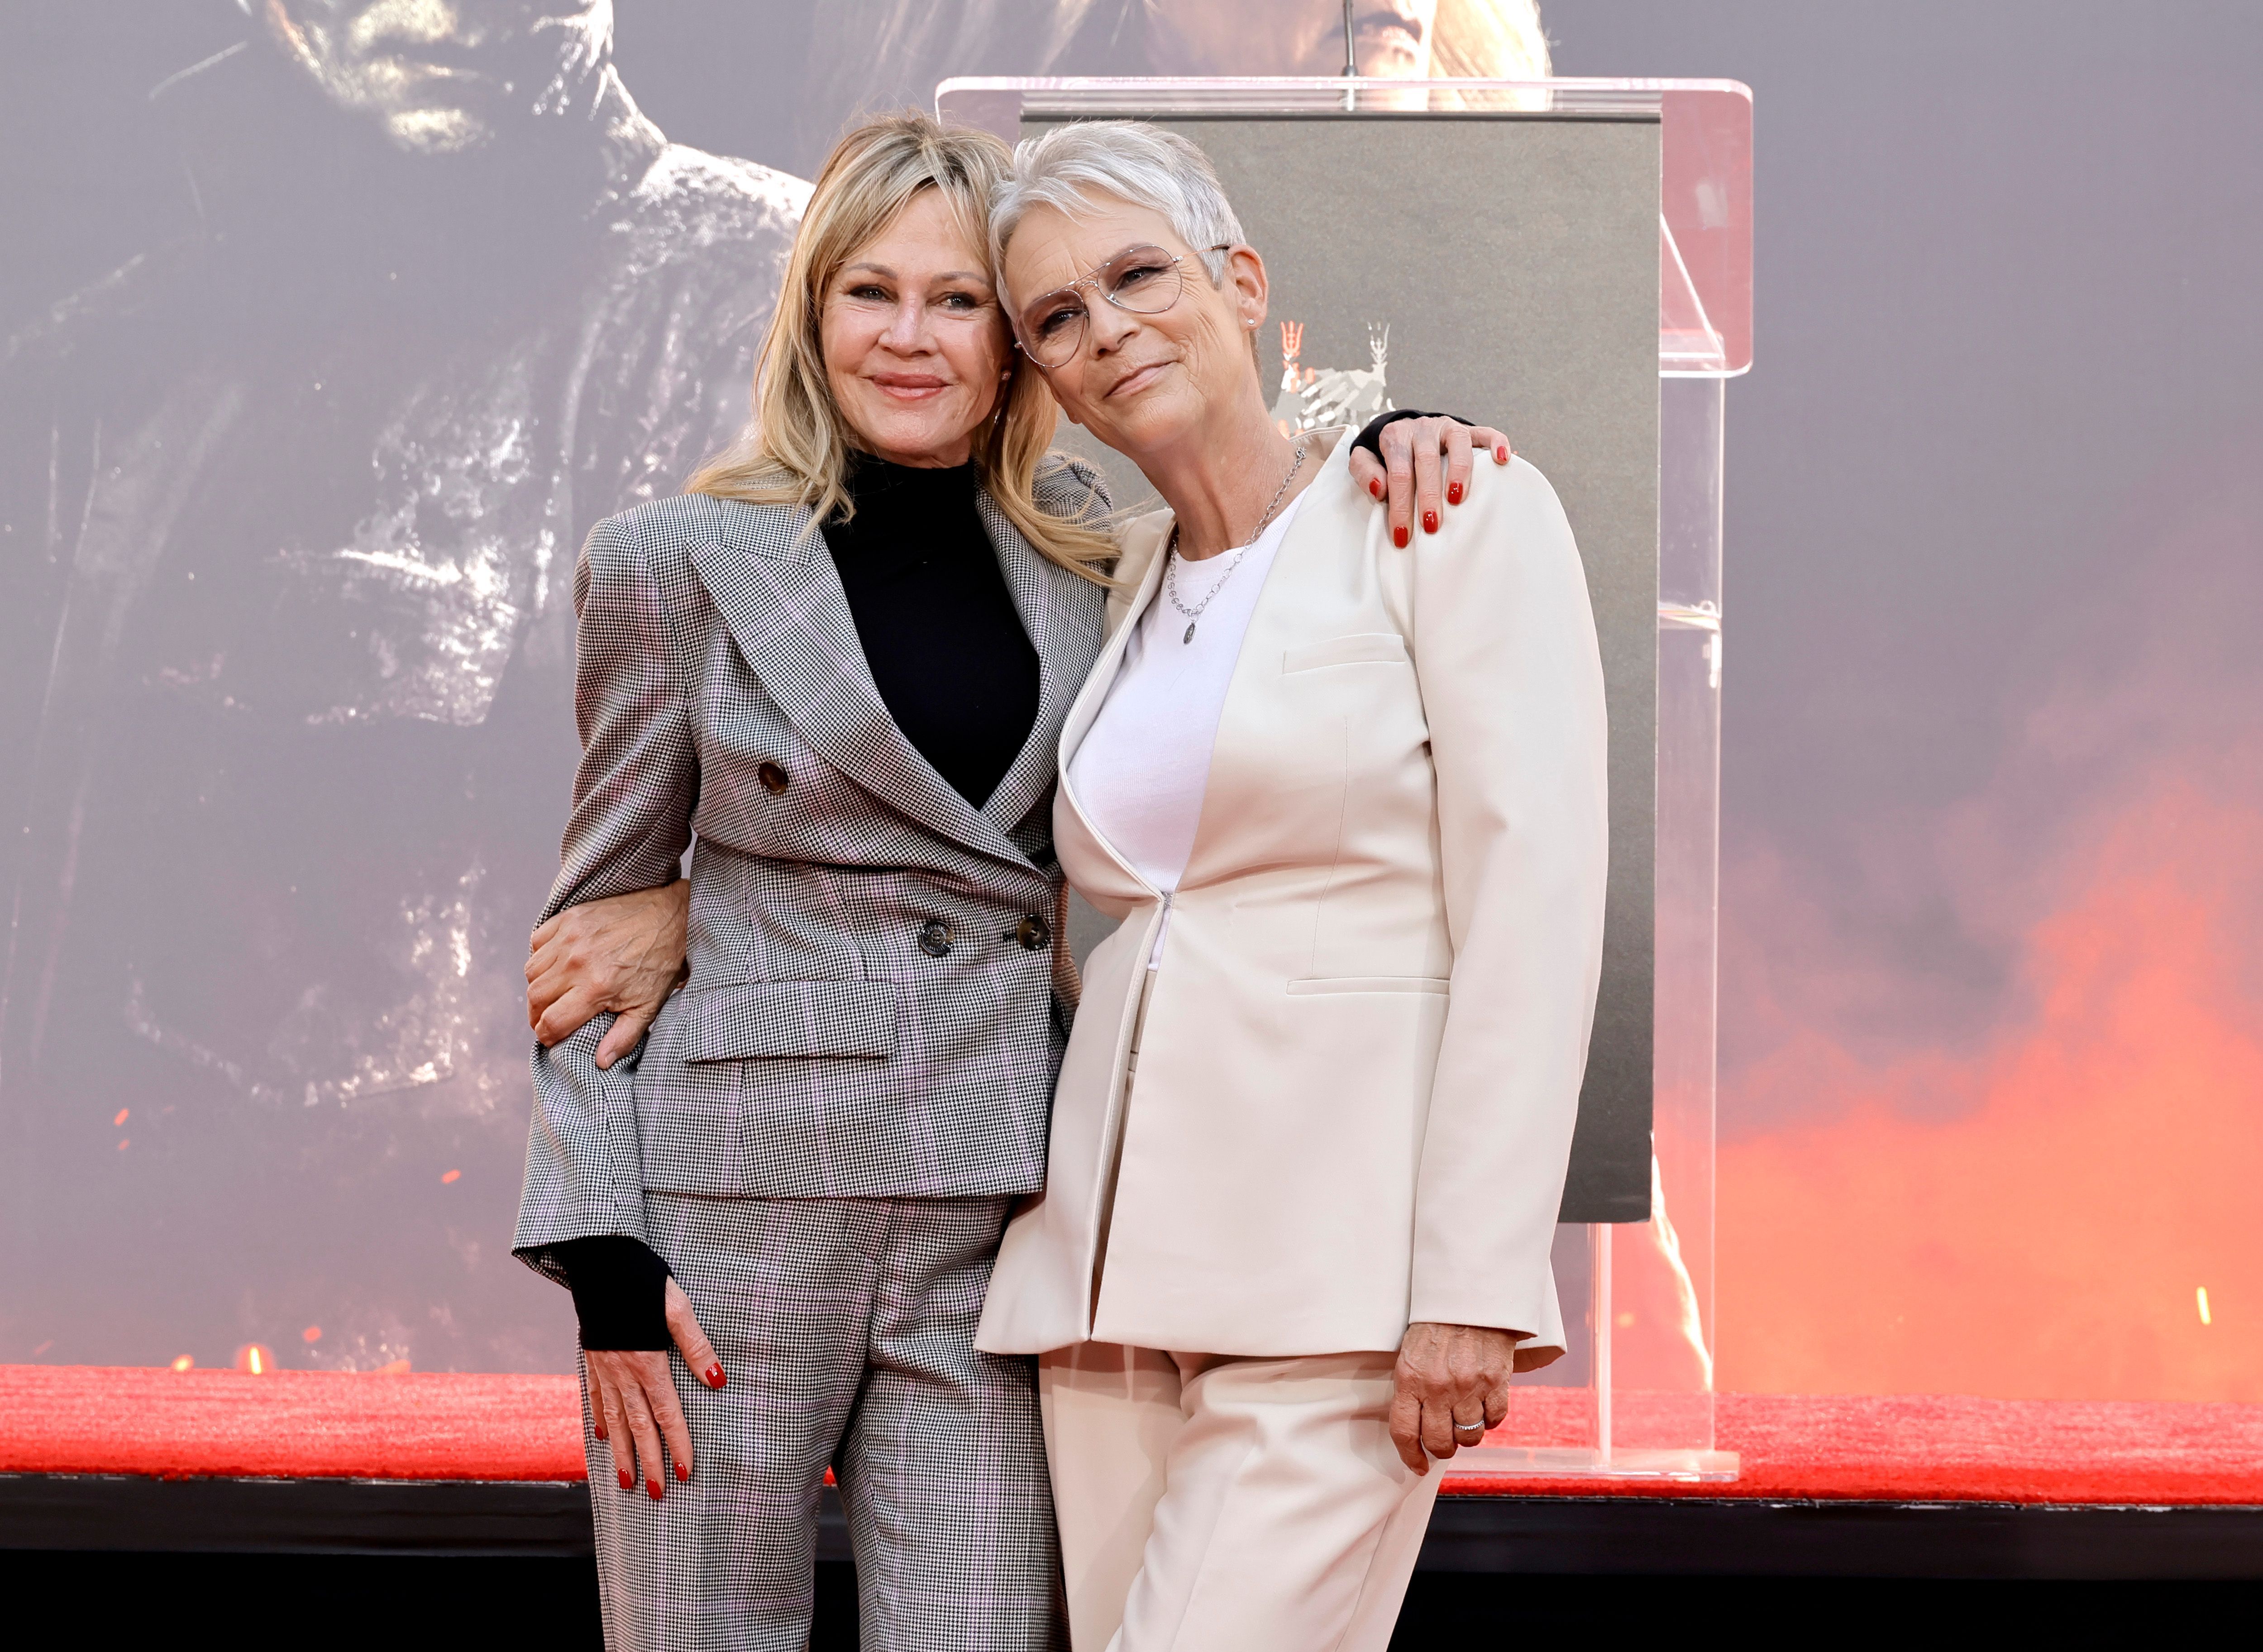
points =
(1128, 159)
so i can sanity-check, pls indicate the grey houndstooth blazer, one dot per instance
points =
(819, 1048)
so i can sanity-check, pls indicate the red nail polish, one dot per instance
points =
(1429, 522)
(715, 1376)
(626, 1481)
(1500, 455)
(652, 1490)
(1375, 487)
(601, 1434)
(1399, 537)
(683, 1472)
(1454, 493)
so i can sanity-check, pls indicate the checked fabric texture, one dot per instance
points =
(823, 1130)
(847, 1328)
(866, 1016)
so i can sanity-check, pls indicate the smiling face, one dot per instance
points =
(441, 76)
(916, 348)
(1143, 384)
(1291, 37)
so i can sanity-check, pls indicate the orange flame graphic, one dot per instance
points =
(2044, 1241)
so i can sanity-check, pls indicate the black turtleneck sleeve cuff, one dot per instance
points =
(620, 1292)
(1371, 437)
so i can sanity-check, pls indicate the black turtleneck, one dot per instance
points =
(940, 630)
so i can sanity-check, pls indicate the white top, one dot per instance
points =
(1140, 771)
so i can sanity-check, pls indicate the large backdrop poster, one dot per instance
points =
(331, 326)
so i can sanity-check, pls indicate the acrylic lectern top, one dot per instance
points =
(1705, 185)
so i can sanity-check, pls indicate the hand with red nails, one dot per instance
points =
(1427, 465)
(636, 1409)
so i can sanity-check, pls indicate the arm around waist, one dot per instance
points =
(633, 794)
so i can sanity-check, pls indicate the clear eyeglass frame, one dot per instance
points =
(1045, 354)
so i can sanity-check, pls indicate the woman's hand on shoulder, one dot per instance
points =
(1426, 466)
(624, 954)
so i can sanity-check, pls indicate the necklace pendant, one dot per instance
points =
(1190, 632)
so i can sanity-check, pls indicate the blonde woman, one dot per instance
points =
(841, 663)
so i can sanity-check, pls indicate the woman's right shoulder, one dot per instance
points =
(660, 525)
(645, 555)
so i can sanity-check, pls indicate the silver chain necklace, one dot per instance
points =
(1171, 573)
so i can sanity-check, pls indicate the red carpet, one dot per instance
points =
(115, 1420)
(1948, 1447)
(62, 1419)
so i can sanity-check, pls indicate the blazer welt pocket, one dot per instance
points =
(756, 1020)
(1362, 648)
(1368, 983)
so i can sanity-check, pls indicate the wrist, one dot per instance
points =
(619, 1289)
(1370, 436)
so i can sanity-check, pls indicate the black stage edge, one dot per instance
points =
(1598, 1537)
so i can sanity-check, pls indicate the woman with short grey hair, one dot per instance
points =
(1343, 790)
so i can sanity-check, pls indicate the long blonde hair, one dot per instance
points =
(796, 451)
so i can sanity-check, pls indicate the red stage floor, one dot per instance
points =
(62, 1419)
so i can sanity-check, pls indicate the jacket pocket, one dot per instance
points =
(1369, 983)
(1361, 647)
(757, 1020)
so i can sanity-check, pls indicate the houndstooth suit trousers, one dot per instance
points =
(846, 1328)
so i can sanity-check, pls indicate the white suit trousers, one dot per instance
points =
(1214, 1503)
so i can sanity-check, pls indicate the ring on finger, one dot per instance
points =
(1469, 1430)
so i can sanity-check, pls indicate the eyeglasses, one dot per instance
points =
(1143, 280)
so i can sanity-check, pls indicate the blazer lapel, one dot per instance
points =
(777, 589)
(1062, 613)
(1330, 508)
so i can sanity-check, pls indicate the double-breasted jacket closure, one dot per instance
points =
(1362, 1049)
(871, 1007)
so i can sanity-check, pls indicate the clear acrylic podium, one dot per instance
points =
(1634, 1397)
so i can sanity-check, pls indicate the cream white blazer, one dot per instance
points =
(1363, 1048)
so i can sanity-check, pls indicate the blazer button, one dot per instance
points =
(934, 937)
(773, 778)
(1033, 932)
